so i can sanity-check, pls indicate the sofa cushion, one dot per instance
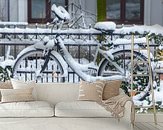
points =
(80, 109)
(91, 91)
(19, 84)
(26, 109)
(111, 89)
(16, 95)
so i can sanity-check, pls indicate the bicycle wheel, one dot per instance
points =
(123, 59)
(28, 66)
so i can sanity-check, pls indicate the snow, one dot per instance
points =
(60, 12)
(158, 95)
(47, 31)
(141, 29)
(50, 44)
(160, 64)
(108, 53)
(6, 63)
(145, 53)
(107, 26)
(79, 42)
(123, 41)
(13, 23)
(27, 49)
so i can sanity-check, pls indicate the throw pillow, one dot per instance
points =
(16, 95)
(111, 89)
(5, 85)
(91, 91)
(19, 84)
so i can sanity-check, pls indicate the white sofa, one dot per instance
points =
(64, 112)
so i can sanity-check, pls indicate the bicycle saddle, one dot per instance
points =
(60, 12)
(107, 27)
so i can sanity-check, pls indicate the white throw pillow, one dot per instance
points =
(5, 85)
(16, 95)
(19, 84)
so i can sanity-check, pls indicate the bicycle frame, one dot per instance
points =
(84, 67)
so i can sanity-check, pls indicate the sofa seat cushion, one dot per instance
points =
(80, 109)
(26, 109)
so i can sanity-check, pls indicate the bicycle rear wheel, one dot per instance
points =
(123, 59)
(29, 64)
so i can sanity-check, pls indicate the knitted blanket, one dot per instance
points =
(116, 105)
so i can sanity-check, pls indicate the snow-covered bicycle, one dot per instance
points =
(51, 56)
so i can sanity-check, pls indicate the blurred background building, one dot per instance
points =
(147, 12)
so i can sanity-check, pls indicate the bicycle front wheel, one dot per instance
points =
(29, 64)
(123, 58)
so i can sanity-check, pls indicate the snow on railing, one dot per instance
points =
(13, 24)
(25, 28)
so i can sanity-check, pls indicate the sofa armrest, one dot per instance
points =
(129, 115)
(128, 111)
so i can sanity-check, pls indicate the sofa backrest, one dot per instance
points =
(57, 92)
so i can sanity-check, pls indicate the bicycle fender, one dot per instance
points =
(27, 49)
(101, 61)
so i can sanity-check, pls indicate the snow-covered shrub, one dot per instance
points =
(5, 73)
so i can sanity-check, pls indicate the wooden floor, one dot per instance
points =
(146, 122)
(148, 126)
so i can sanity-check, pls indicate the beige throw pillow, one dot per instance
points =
(16, 95)
(91, 91)
(5, 85)
(19, 84)
(111, 89)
